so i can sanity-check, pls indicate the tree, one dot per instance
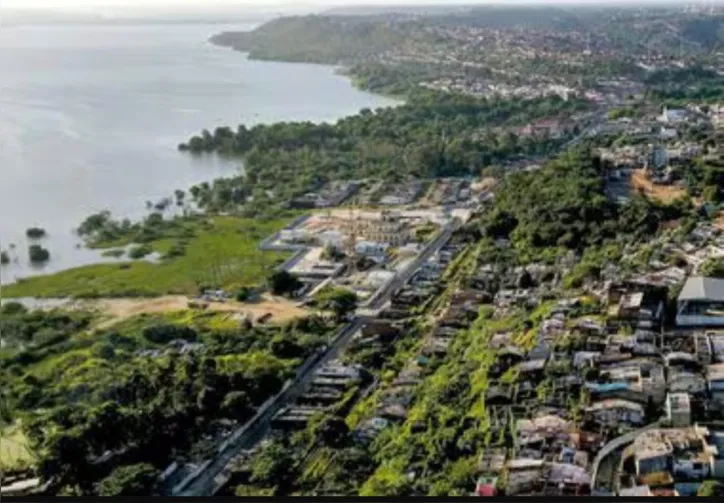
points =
(35, 233)
(332, 431)
(273, 466)
(163, 334)
(340, 301)
(38, 254)
(282, 282)
(331, 253)
(243, 294)
(236, 405)
(711, 488)
(130, 480)
(65, 460)
(180, 196)
(711, 194)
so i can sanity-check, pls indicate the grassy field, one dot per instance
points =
(225, 254)
(15, 454)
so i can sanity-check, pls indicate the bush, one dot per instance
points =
(38, 254)
(177, 250)
(115, 253)
(35, 233)
(162, 334)
(131, 480)
(242, 294)
(138, 252)
(13, 308)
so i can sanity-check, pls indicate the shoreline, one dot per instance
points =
(339, 69)
(68, 244)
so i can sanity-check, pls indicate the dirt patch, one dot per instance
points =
(663, 193)
(281, 310)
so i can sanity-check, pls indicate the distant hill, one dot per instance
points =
(316, 39)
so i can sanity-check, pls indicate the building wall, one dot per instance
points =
(699, 321)
(691, 469)
(651, 465)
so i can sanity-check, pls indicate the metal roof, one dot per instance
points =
(699, 288)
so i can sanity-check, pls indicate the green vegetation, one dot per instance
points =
(140, 251)
(38, 254)
(318, 39)
(16, 454)
(114, 253)
(564, 207)
(130, 480)
(432, 135)
(223, 252)
(94, 405)
(283, 283)
(340, 301)
(35, 233)
(711, 488)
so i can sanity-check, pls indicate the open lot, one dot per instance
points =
(226, 254)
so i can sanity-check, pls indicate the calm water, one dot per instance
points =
(90, 118)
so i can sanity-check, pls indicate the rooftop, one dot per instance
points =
(700, 288)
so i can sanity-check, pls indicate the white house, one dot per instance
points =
(673, 115)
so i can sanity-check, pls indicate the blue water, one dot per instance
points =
(90, 117)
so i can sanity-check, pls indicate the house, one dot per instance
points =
(659, 158)
(683, 452)
(673, 115)
(681, 380)
(566, 479)
(668, 133)
(678, 409)
(715, 381)
(492, 461)
(614, 411)
(546, 427)
(523, 474)
(636, 491)
(701, 303)
(486, 486)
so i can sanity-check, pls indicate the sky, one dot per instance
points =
(76, 4)
(64, 4)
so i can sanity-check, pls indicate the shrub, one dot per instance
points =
(138, 252)
(38, 254)
(35, 233)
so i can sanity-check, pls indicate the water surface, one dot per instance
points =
(90, 117)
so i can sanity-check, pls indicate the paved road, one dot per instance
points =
(404, 276)
(214, 474)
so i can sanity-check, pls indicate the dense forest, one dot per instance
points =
(564, 207)
(95, 405)
(432, 135)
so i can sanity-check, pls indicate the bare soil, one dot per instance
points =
(663, 193)
(116, 310)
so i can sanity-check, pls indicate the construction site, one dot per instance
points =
(360, 250)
